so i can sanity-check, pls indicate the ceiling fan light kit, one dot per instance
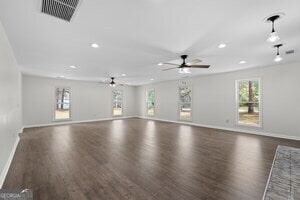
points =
(184, 68)
(112, 83)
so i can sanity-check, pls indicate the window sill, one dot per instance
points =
(62, 120)
(249, 125)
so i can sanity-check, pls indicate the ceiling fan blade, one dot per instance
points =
(171, 64)
(200, 66)
(169, 68)
(106, 81)
(194, 62)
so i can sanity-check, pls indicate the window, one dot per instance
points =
(185, 103)
(248, 102)
(62, 103)
(150, 102)
(117, 97)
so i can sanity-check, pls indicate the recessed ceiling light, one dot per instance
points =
(72, 66)
(160, 64)
(152, 79)
(222, 45)
(95, 45)
(123, 74)
(243, 62)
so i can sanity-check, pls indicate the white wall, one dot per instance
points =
(10, 104)
(89, 100)
(214, 99)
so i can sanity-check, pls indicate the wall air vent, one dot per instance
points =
(290, 52)
(62, 9)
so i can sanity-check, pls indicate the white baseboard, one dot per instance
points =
(21, 130)
(75, 122)
(255, 132)
(7, 165)
(262, 133)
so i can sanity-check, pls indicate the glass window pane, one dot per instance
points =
(117, 105)
(117, 108)
(243, 92)
(117, 111)
(246, 117)
(150, 105)
(248, 111)
(185, 106)
(248, 91)
(62, 111)
(62, 95)
(185, 111)
(150, 112)
(150, 95)
(150, 108)
(117, 95)
(150, 102)
(117, 102)
(185, 94)
(62, 104)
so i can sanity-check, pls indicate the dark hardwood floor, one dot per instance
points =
(142, 159)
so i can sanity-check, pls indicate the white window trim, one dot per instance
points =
(55, 103)
(260, 125)
(148, 102)
(112, 103)
(179, 103)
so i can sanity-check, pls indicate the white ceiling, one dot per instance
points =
(135, 35)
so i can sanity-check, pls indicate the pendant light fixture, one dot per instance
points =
(278, 57)
(273, 35)
(112, 83)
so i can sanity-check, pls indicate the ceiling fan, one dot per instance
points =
(112, 82)
(184, 68)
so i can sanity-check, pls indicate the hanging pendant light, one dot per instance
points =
(273, 35)
(112, 83)
(278, 57)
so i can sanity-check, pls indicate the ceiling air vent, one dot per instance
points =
(63, 9)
